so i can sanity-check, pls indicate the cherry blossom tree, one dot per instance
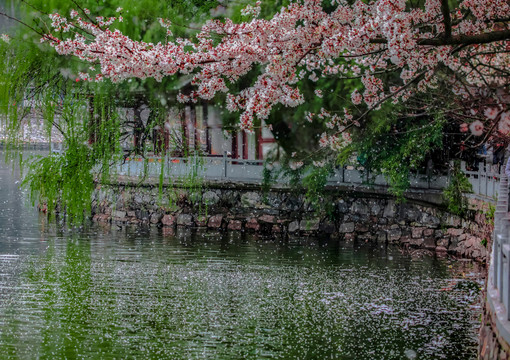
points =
(426, 62)
(396, 48)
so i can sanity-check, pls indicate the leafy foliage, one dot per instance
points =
(315, 182)
(398, 147)
(62, 181)
(454, 197)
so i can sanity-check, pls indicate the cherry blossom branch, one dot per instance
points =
(489, 133)
(389, 71)
(420, 43)
(24, 24)
(461, 39)
(391, 95)
(84, 11)
(33, 7)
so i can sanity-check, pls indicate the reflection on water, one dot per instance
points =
(126, 292)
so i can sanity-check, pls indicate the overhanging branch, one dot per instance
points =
(445, 9)
(484, 38)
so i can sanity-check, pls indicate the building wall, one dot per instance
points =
(199, 127)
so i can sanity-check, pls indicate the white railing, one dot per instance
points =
(484, 181)
(498, 286)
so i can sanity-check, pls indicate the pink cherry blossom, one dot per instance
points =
(491, 113)
(356, 97)
(294, 165)
(505, 117)
(476, 128)
(365, 40)
(504, 123)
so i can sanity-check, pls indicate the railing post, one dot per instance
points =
(501, 246)
(224, 164)
(503, 264)
(504, 267)
(449, 175)
(498, 264)
(503, 290)
(480, 178)
(506, 271)
(506, 282)
(488, 177)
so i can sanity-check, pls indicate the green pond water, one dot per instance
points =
(110, 292)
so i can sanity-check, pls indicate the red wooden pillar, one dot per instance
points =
(234, 145)
(245, 145)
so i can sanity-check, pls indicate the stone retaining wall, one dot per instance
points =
(357, 216)
(492, 345)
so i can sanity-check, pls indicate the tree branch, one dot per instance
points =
(24, 24)
(395, 93)
(462, 39)
(445, 9)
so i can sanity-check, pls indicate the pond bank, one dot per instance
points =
(348, 215)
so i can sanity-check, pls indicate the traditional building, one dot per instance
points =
(195, 127)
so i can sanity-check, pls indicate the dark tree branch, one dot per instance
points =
(84, 12)
(391, 95)
(33, 7)
(445, 9)
(484, 38)
(24, 24)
